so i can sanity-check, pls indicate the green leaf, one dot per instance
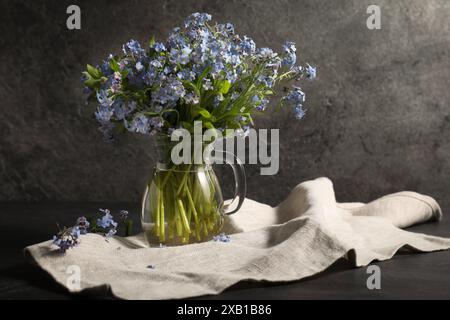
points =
(150, 114)
(152, 41)
(90, 82)
(208, 125)
(187, 125)
(251, 120)
(124, 73)
(114, 65)
(202, 76)
(225, 86)
(204, 113)
(93, 72)
(192, 86)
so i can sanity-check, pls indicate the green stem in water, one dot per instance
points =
(184, 219)
(192, 205)
(166, 178)
(158, 204)
(183, 179)
(178, 226)
(162, 225)
(184, 204)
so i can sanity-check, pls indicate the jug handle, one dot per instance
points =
(240, 190)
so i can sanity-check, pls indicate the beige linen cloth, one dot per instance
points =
(301, 237)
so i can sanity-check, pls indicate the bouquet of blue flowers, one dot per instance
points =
(204, 73)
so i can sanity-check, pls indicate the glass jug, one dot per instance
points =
(183, 203)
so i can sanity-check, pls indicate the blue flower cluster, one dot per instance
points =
(83, 225)
(222, 238)
(296, 98)
(123, 215)
(107, 223)
(70, 237)
(67, 238)
(202, 65)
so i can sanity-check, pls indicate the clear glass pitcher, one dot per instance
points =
(183, 203)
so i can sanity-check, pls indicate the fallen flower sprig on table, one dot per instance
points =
(222, 238)
(70, 237)
(67, 238)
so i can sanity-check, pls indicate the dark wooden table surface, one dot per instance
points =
(406, 276)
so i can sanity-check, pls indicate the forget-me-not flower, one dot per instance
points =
(140, 124)
(310, 72)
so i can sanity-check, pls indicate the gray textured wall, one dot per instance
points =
(378, 120)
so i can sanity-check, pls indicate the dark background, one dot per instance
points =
(378, 115)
